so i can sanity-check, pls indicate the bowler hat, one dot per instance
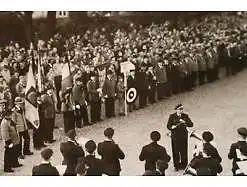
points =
(46, 153)
(207, 136)
(242, 131)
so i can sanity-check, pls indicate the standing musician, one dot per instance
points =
(242, 132)
(177, 124)
(110, 154)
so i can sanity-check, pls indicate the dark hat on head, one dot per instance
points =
(18, 100)
(207, 136)
(243, 149)
(242, 131)
(46, 153)
(109, 132)
(78, 79)
(71, 134)
(155, 136)
(90, 146)
(93, 74)
(178, 106)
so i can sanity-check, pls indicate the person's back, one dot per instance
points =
(44, 169)
(95, 166)
(153, 152)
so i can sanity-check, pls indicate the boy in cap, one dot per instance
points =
(71, 151)
(153, 152)
(111, 163)
(242, 135)
(45, 168)
(94, 98)
(18, 117)
(177, 124)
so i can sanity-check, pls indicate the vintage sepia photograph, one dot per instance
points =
(123, 93)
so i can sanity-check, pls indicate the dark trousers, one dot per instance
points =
(143, 99)
(38, 134)
(176, 86)
(49, 127)
(95, 111)
(24, 149)
(81, 114)
(210, 75)
(58, 86)
(151, 95)
(160, 90)
(109, 107)
(68, 120)
(193, 78)
(202, 77)
(179, 152)
(11, 157)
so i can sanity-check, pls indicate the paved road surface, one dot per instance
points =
(219, 107)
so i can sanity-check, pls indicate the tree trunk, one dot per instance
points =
(50, 24)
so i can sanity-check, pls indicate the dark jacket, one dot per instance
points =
(44, 170)
(110, 154)
(92, 91)
(110, 87)
(78, 95)
(151, 153)
(95, 166)
(233, 155)
(206, 166)
(71, 152)
(48, 107)
(180, 131)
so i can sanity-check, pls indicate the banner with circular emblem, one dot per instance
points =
(131, 95)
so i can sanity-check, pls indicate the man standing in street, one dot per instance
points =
(177, 124)
(110, 154)
(45, 168)
(242, 134)
(153, 152)
(71, 151)
(18, 117)
(80, 103)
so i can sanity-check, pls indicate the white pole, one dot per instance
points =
(125, 94)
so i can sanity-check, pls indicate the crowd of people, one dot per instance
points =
(168, 60)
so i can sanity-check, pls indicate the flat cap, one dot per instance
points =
(178, 106)
(242, 131)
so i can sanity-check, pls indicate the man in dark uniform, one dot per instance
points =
(110, 92)
(110, 154)
(80, 103)
(131, 83)
(242, 132)
(45, 168)
(177, 124)
(142, 83)
(95, 166)
(71, 151)
(94, 98)
(153, 152)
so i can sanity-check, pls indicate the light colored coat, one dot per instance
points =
(18, 117)
(9, 132)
